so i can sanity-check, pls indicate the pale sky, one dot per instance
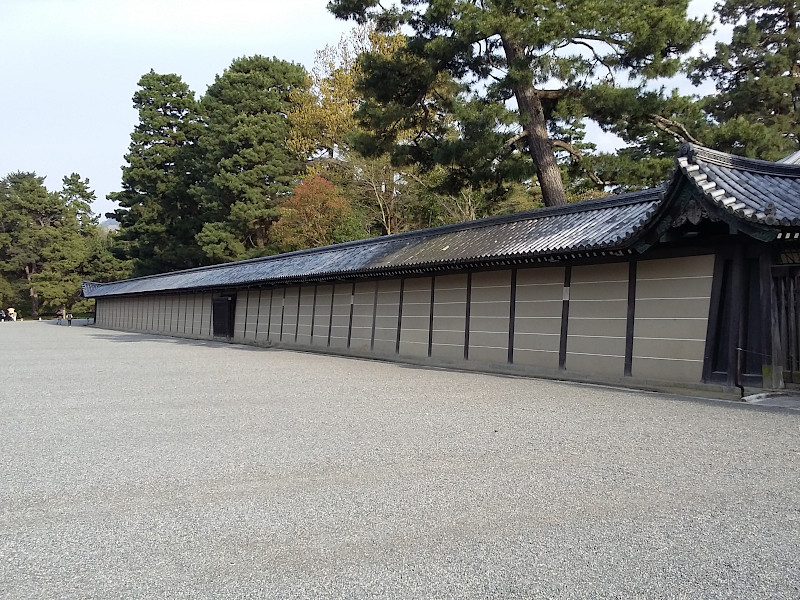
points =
(69, 69)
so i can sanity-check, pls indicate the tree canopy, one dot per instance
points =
(247, 167)
(756, 110)
(49, 242)
(158, 217)
(538, 54)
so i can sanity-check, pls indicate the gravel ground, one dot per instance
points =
(136, 466)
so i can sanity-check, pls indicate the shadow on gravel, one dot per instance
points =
(128, 337)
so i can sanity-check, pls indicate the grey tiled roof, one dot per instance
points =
(753, 190)
(597, 225)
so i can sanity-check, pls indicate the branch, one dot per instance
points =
(670, 126)
(513, 140)
(581, 159)
(554, 94)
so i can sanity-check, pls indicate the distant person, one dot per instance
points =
(69, 319)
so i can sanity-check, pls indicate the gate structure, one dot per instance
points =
(786, 281)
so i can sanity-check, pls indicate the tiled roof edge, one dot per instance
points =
(695, 152)
(792, 159)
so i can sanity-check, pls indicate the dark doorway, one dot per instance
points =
(735, 328)
(223, 312)
(786, 282)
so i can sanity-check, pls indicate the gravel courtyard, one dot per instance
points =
(134, 466)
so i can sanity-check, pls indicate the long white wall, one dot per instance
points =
(538, 320)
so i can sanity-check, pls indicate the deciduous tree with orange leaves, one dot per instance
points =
(316, 215)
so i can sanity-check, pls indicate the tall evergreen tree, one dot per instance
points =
(757, 74)
(510, 49)
(158, 217)
(247, 168)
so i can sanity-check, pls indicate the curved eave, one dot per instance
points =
(750, 190)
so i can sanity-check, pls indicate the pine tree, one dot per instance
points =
(158, 218)
(757, 74)
(247, 168)
(507, 49)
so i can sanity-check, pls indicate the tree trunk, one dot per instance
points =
(535, 126)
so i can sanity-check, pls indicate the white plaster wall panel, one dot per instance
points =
(130, 306)
(290, 315)
(340, 319)
(251, 316)
(306, 315)
(416, 317)
(276, 315)
(205, 314)
(490, 300)
(163, 324)
(141, 309)
(190, 315)
(180, 316)
(174, 310)
(155, 314)
(165, 314)
(147, 314)
(183, 314)
(194, 315)
(112, 312)
(673, 297)
(160, 323)
(363, 313)
(598, 313)
(386, 311)
(262, 316)
(449, 316)
(537, 318)
(240, 315)
(322, 316)
(176, 314)
(180, 313)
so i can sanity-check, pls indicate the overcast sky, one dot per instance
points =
(69, 69)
